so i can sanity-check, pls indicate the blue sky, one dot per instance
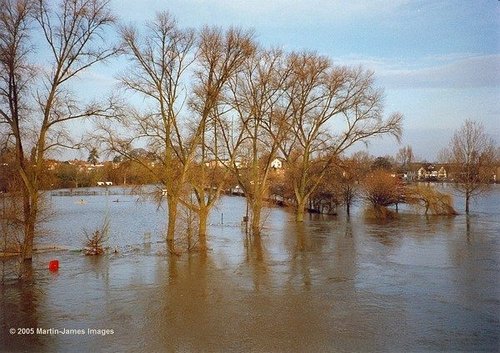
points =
(438, 61)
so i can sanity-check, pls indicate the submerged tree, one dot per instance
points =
(381, 190)
(332, 108)
(253, 139)
(472, 155)
(159, 58)
(351, 172)
(220, 56)
(429, 199)
(73, 31)
(187, 155)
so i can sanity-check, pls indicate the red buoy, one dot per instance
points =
(54, 265)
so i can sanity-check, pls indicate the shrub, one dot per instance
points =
(430, 200)
(95, 241)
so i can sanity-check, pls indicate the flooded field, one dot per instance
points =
(331, 284)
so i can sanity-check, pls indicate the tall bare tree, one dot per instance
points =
(74, 33)
(183, 141)
(159, 57)
(254, 139)
(472, 155)
(16, 73)
(220, 56)
(332, 109)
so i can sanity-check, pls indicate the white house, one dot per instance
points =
(104, 183)
(430, 172)
(442, 174)
(276, 163)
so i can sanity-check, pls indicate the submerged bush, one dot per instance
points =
(430, 200)
(381, 189)
(95, 241)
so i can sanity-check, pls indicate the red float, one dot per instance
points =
(54, 265)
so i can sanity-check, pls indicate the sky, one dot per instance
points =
(437, 61)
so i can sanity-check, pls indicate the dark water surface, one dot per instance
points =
(415, 284)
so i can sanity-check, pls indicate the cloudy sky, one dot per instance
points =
(438, 61)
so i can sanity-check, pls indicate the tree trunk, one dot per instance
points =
(172, 218)
(256, 211)
(467, 199)
(30, 210)
(301, 207)
(202, 228)
(29, 236)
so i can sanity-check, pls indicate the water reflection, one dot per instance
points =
(300, 269)
(256, 258)
(19, 311)
(345, 257)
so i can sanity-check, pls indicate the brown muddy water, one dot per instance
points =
(331, 284)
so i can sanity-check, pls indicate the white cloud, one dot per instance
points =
(447, 71)
(479, 71)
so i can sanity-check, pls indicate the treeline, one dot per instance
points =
(221, 107)
(209, 105)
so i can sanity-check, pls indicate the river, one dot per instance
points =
(330, 284)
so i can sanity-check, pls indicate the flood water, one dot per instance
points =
(331, 284)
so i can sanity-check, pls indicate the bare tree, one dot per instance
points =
(253, 140)
(159, 60)
(184, 142)
(405, 157)
(332, 109)
(472, 154)
(220, 56)
(429, 199)
(15, 78)
(381, 189)
(352, 170)
(74, 33)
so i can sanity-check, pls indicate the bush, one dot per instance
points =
(95, 241)
(381, 189)
(430, 200)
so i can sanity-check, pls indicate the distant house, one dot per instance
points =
(442, 174)
(277, 163)
(91, 166)
(104, 183)
(421, 173)
(431, 172)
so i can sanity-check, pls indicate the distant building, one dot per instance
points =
(277, 163)
(442, 174)
(431, 172)
(104, 183)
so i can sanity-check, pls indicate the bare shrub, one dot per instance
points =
(430, 200)
(96, 240)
